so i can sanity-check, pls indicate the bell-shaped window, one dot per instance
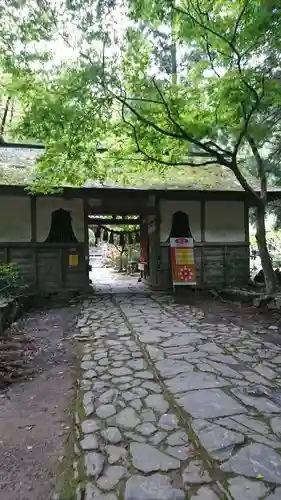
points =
(180, 226)
(61, 228)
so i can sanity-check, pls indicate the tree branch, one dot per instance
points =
(143, 119)
(157, 160)
(243, 182)
(168, 111)
(189, 137)
(141, 99)
(12, 112)
(4, 118)
(205, 26)
(208, 45)
(223, 38)
(247, 119)
(239, 18)
(232, 46)
(215, 145)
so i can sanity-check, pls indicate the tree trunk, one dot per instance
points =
(4, 118)
(269, 275)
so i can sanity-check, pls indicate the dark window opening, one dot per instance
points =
(61, 228)
(180, 226)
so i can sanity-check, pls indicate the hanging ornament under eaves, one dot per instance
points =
(97, 232)
(111, 238)
(105, 235)
(121, 240)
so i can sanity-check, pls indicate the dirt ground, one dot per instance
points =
(33, 422)
(257, 320)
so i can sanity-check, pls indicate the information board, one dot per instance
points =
(182, 261)
(73, 260)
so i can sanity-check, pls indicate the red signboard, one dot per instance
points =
(143, 250)
(182, 260)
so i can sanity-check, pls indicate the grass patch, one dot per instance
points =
(68, 480)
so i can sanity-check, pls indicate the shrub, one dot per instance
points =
(10, 278)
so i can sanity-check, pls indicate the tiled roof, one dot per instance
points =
(17, 164)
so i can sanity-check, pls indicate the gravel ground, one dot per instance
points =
(33, 422)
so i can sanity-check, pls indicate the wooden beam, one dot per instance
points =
(122, 201)
(101, 149)
(95, 221)
(17, 145)
(117, 210)
(30, 145)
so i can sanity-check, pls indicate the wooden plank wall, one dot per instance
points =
(216, 266)
(46, 267)
(23, 258)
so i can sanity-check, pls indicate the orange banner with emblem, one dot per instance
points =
(182, 261)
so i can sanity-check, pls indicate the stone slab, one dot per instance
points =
(146, 458)
(218, 441)
(127, 418)
(170, 367)
(205, 493)
(94, 464)
(256, 460)
(111, 477)
(154, 487)
(210, 404)
(242, 488)
(193, 381)
(195, 473)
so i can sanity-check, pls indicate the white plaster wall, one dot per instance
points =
(191, 208)
(15, 219)
(225, 221)
(45, 207)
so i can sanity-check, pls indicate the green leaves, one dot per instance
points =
(117, 87)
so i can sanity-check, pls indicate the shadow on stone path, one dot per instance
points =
(174, 407)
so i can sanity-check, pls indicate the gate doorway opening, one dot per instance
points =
(114, 251)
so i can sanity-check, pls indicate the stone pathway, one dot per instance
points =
(174, 408)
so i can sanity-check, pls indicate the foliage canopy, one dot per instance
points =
(117, 90)
(179, 78)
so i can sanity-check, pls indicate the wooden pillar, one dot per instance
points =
(61, 252)
(6, 255)
(86, 241)
(203, 221)
(33, 223)
(246, 222)
(157, 242)
(144, 254)
(247, 235)
(203, 240)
